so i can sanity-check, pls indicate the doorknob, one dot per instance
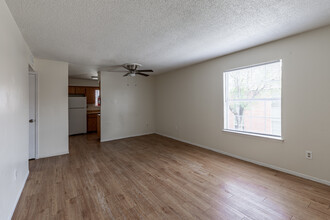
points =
(31, 120)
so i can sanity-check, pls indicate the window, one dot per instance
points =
(97, 94)
(252, 99)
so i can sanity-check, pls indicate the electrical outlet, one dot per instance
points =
(309, 155)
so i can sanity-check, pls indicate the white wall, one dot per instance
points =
(189, 105)
(127, 106)
(53, 107)
(83, 82)
(14, 112)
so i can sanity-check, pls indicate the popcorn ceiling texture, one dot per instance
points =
(160, 34)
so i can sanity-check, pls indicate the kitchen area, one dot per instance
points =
(84, 107)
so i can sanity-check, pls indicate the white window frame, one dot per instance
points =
(96, 94)
(225, 109)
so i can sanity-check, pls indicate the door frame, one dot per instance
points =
(36, 112)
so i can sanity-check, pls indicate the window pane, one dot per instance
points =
(97, 94)
(253, 99)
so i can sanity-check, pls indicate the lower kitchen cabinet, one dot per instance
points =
(91, 122)
(98, 125)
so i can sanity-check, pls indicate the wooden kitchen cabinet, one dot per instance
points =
(77, 90)
(72, 90)
(80, 90)
(91, 122)
(98, 125)
(89, 92)
(90, 95)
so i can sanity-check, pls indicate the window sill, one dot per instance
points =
(255, 135)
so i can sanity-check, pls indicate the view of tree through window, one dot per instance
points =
(253, 99)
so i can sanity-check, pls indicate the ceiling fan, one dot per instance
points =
(132, 69)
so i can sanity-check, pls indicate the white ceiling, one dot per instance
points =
(160, 34)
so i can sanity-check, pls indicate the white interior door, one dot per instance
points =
(32, 116)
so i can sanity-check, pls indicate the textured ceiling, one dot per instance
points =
(160, 34)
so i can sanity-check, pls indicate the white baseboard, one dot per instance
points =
(136, 135)
(315, 179)
(53, 155)
(19, 195)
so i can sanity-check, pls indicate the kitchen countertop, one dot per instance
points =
(93, 112)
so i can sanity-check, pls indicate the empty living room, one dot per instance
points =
(162, 109)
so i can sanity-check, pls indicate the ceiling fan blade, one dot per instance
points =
(114, 71)
(139, 71)
(126, 74)
(125, 67)
(142, 74)
(111, 68)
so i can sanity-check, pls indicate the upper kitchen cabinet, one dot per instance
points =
(90, 94)
(72, 90)
(80, 91)
(77, 90)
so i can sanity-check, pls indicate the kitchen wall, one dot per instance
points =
(127, 106)
(83, 82)
(15, 57)
(189, 105)
(53, 107)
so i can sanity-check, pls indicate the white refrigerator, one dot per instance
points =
(77, 115)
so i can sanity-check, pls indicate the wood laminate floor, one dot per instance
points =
(153, 177)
